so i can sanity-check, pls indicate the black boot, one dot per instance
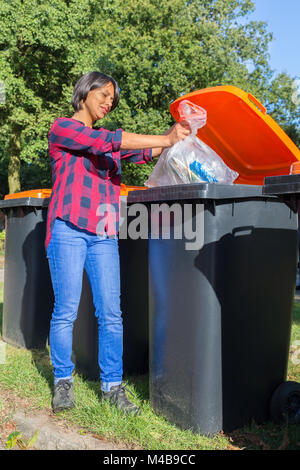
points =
(117, 397)
(63, 398)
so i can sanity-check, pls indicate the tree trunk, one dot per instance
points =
(14, 184)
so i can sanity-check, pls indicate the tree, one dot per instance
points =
(44, 47)
(283, 103)
(156, 50)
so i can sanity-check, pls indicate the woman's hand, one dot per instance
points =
(176, 133)
(179, 131)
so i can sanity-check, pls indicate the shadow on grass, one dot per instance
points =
(139, 386)
(267, 436)
(41, 360)
(296, 313)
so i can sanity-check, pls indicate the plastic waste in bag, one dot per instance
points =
(190, 160)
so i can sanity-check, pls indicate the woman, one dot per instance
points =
(86, 174)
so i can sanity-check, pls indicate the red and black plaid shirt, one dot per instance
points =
(86, 175)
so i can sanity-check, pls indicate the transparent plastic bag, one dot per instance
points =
(190, 160)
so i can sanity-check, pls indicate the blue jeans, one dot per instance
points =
(70, 250)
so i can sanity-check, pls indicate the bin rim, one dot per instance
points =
(200, 192)
(46, 193)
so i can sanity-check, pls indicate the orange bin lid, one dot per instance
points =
(125, 189)
(39, 193)
(241, 132)
(44, 193)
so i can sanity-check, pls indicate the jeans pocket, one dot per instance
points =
(61, 225)
(60, 229)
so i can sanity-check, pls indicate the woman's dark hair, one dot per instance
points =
(90, 81)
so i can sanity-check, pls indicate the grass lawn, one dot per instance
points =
(2, 239)
(28, 374)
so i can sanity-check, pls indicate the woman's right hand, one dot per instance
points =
(179, 131)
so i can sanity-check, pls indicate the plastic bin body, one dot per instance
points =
(28, 294)
(220, 316)
(29, 299)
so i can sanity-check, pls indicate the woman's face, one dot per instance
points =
(99, 101)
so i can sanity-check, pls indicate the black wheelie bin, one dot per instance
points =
(28, 292)
(220, 308)
(220, 313)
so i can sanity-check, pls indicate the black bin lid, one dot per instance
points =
(211, 191)
(282, 185)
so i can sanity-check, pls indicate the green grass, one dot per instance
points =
(294, 369)
(1, 306)
(2, 241)
(29, 375)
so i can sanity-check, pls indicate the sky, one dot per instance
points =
(283, 17)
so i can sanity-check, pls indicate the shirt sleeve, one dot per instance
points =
(137, 156)
(69, 135)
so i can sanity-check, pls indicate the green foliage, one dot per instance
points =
(13, 439)
(156, 50)
(281, 106)
(16, 438)
(41, 48)
(3, 174)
